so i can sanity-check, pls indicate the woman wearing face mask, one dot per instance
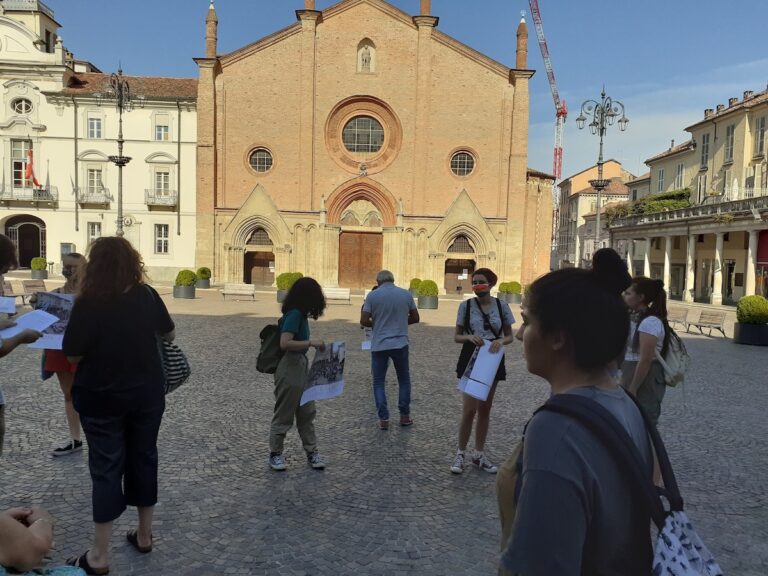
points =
(54, 361)
(479, 319)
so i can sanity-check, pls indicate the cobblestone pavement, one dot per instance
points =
(387, 503)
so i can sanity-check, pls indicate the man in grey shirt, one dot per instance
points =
(389, 310)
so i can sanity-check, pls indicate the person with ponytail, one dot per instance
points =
(642, 374)
(480, 319)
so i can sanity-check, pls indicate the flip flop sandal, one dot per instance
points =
(82, 563)
(133, 539)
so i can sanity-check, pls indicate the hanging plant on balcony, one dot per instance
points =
(723, 218)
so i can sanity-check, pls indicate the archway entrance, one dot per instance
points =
(28, 234)
(259, 260)
(459, 268)
(361, 245)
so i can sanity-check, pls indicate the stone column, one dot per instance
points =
(690, 262)
(667, 262)
(749, 276)
(225, 258)
(717, 289)
(306, 155)
(647, 258)
(425, 25)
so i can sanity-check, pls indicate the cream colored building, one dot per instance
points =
(59, 110)
(577, 199)
(359, 138)
(717, 250)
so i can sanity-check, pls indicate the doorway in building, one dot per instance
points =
(360, 258)
(729, 277)
(28, 234)
(458, 276)
(259, 268)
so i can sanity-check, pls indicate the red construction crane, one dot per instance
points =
(561, 113)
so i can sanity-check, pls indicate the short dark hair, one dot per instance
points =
(585, 307)
(612, 268)
(8, 256)
(306, 296)
(489, 275)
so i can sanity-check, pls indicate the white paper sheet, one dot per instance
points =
(49, 342)
(367, 338)
(35, 320)
(326, 375)
(7, 305)
(60, 305)
(480, 372)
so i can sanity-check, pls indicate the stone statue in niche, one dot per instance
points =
(365, 59)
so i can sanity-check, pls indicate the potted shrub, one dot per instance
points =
(39, 268)
(511, 292)
(203, 278)
(427, 297)
(413, 287)
(284, 282)
(185, 284)
(751, 321)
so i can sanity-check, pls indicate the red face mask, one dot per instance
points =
(481, 288)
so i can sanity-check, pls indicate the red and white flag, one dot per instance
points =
(30, 174)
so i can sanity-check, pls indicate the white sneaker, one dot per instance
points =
(458, 463)
(277, 462)
(483, 463)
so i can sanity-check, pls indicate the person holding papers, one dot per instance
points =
(480, 319)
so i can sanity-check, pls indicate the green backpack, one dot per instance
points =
(270, 352)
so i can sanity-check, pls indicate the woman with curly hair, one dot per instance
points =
(305, 299)
(118, 390)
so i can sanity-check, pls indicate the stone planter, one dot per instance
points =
(281, 294)
(510, 298)
(184, 292)
(200, 283)
(427, 302)
(39, 274)
(751, 334)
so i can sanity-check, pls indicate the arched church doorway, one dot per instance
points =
(361, 245)
(259, 260)
(28, 234)
(458, 270)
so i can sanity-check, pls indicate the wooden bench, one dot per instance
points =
(239, 290)
(677, 315)
(711, 320)
(8, 292)
(338, 295)
(33, 286)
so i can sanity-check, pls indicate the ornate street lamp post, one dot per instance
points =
(603, 114)
(120, 91)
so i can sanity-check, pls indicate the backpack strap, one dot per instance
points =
(615, 438)
(467, 328)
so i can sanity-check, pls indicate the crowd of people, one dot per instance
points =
(565, 507)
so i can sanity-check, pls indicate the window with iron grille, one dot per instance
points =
(461, 244)
(730, 132)
(462, 163)
(261, 160)
(19, 157)
(363, 134)
(260, 238)
(162, 238)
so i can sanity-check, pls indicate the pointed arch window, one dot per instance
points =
(462, 245)
(260, 237)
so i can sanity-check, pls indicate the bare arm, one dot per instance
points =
(25, 538)
(647, 350)
(366, 319)
(413, 316)
(460, 338)
(288, 344)
(25, 337)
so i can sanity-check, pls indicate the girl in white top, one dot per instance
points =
(642, 374)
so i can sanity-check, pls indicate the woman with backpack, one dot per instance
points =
(480, 319)
(642, 374)
(305, 299)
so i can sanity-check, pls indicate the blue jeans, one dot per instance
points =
(379, 365)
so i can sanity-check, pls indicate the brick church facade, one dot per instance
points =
(361, 138)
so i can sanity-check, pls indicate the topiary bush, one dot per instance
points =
(287, 279)
(186, 278)
(414, 285)
(505, 288)
(752, 310)
(427, 288)
(204, 273)
(516, 288)
(38, 263)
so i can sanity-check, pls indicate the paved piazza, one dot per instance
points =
(387, 503)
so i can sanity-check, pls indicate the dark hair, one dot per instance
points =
(612, 269)
(306, 296)
(489, 275)
(583, 306)
(655, 299)
(114, 266)
(8, 255)
(75, 255)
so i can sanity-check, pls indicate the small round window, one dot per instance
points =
(22, 106)
(261, 160)
(462, 163)
(363, 134)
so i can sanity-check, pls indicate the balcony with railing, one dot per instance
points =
(46, 195)
(161, 197)
(96, 196)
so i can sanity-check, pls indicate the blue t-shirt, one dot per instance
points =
(295, 323)
(389, 307)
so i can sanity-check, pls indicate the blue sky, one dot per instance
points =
(666, 60)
